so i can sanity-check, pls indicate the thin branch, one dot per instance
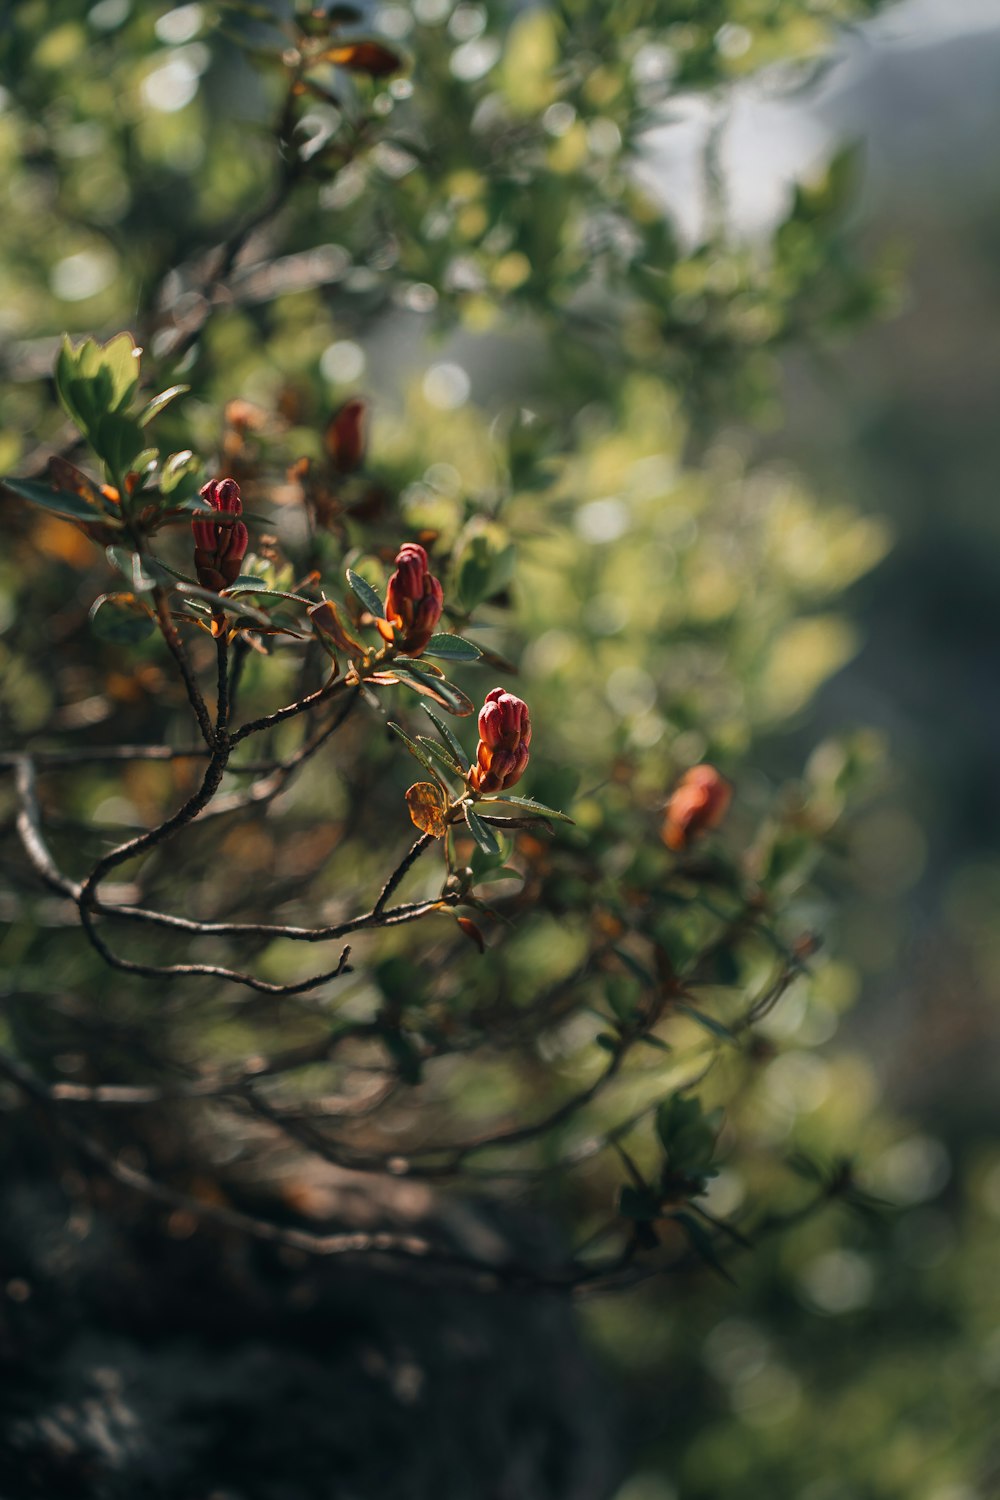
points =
(409, 859)
(222, 688)
(303, 705)
(176, 648)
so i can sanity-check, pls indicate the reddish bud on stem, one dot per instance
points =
(220, 546)
(504, 737)
(413, 601)
(699, 803)
(346, 437)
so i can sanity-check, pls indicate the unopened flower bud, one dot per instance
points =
(504, 737)
(413, 601)
(699, 802)
(220, 546)
(346, 439)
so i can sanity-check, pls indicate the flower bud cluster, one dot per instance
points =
(413, 600)
(504, 737)
(699, 803)
(220, 546)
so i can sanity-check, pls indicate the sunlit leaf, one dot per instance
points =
(451, 648)
(427, 807)
(364, 591)
(178, 468)
(156, 405)
(437, 688)
(529, 805)
(415, 750)
(484, 836)
(446, 734)
(439, 753)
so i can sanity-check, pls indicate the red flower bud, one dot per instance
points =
(699, 803)
(413, 600)
(504, 737)
(345, 438)
(220, 547)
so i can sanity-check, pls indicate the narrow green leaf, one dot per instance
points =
(529, 805)
(443, 691)
(451, 648)
(235, 606)
(156, 405)
(643, 975)
(178, 467)
(484, 836)
(656, 1042)
(364, 591)
(449, 738)
(440, 754)
(415, 750)
(246, 584)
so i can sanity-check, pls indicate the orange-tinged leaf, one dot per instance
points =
(368, 57)
(327, 622)
(427, 808)
(472, 932)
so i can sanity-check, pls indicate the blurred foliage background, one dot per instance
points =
(738, 533)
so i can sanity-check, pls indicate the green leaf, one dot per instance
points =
(443, 691)
(623, 994)
(247, 584)
(440, 754)
(484, 836)
(116, 439)
(121, 618)
(529, 805)
(178, 467)
(234, 606)
(156, 405)
(65, 377)
(687, 1134)
(144, 463)
(143, 573)
(113, 366)
(451, 648)
(364, 591)
(97, 380)
(484, 562)
(453, 744)
(655, 1041)
(63, 502)
(414, 749)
